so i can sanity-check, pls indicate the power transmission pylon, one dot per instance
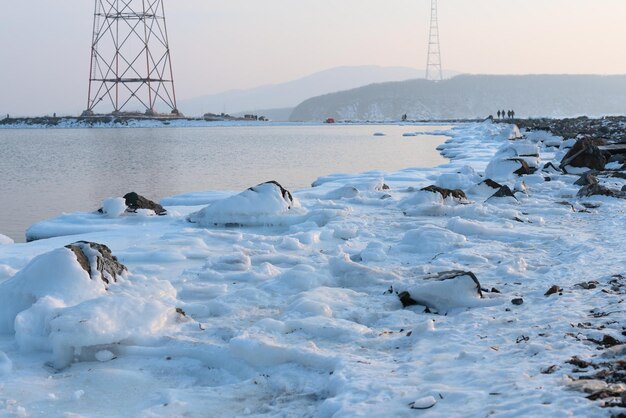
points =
(433, 66)
(130, 66)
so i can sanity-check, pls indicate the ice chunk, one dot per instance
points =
(56, 274)
(114, 207)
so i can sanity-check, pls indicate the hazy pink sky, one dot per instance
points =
(220, 45)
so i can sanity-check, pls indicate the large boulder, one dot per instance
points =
(584, 154)
(98, 261)
(596, 189)
(135, 202)
(444, 291)
(586, 179)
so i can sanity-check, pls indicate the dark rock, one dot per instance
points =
(551, 168)
(596, 190)
(525, 169)
(284, 192)
(584, 154)
(181, 312)
(406, 300)
(456, 193)
(98, 261)
(505, 191)
(588, 285)
(581, 364)
(624, 188)
(587, 178)
(609, 341)
(135, 201)
(492, 184)
(554, 289)
(549, 370)
(617, 158)
(517, 301)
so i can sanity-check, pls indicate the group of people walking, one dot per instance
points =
(506, 114)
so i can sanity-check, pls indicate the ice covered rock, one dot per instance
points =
(433, 201)
(345, 192)
(135, 202)
(266, 204)
(426, 402)
(4, 240)
(431, 240)
(584, 154)
(444, 291)
(121, 319)
(500, 169)
(98, 261)
(56, 274)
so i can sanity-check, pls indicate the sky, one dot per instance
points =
(219, 45)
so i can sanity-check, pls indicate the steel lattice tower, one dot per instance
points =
(433, 66)
(131, 68)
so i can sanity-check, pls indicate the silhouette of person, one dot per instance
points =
(503, 114)
(499, 113)
(513, 114)
(404, 117)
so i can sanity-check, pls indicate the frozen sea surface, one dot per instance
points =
(45, 172)
(300, 316)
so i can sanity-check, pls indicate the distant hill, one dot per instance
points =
(470, 96)
(290, 94)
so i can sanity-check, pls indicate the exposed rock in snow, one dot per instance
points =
(98, 261)
(598, 190)
(586, 179)
(445, 291)
(262, 205)
(504, 192)
(135, 202)
(445, 193)
(584, 154)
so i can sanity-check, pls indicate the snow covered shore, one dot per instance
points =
(289, 304)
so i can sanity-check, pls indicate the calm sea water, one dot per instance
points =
(45, 172)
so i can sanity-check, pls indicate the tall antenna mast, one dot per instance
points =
(433, 67)
(131, 67)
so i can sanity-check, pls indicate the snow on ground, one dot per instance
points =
(294, 309)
